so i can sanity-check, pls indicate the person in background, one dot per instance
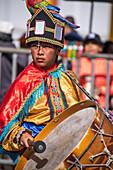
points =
(71, 39)
(71, 34)
(108, 49)
(22, 59)
(6, 29)
(43, 89)
(93, 45)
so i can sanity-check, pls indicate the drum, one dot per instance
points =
(81, 137)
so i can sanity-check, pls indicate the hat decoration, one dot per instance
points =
(46, 23)
(33, 5)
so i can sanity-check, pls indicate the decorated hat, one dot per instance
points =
(46, 24)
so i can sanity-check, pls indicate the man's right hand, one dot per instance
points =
(25, 137)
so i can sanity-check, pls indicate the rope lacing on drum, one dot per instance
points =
(106, 152)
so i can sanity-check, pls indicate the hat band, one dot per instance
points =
(45, 40)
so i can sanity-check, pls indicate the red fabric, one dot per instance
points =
(20, 88)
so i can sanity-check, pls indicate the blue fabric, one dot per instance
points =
(64, 20)
(34, 128)
(73, 36)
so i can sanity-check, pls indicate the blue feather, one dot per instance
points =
(54, 8)
(64, 20)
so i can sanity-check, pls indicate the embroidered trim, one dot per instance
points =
(19, 135)
(37, 12)
(32, 29)
(46, 29)
(44, 40)
(56, 97)
(49, 29)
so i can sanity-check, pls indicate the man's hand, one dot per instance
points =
(24, 139)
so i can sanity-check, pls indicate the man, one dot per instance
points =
(6, 30)
(43, 90)
(70, 34)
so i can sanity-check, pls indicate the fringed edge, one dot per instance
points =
(37, 92)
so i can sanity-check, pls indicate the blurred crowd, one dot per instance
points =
(6, 40)
(74, 44)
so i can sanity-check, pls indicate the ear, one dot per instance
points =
(100, 49)
(58, 50)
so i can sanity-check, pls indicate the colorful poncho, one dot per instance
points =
(35, 96)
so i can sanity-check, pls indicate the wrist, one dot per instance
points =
(20, 135)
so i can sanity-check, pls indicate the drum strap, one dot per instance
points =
(110, 117)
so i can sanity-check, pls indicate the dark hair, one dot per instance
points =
(108, 47)
(5, 37)
(71, 19)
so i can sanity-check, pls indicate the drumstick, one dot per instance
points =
(87, 94)
(38, 146)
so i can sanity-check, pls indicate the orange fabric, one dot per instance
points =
(100, 73)
(85, 67)
(111, 67)
(53, 2)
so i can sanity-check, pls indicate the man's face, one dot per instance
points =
(44, 54)
(92, 48)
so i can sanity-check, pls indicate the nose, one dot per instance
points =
(40, 49)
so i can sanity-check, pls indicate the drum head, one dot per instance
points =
(62, 140)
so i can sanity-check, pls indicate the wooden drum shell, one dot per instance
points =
(89, 143)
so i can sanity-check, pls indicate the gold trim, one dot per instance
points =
(55, 68)
(47, 12)
(46, 29)
(32, 29)
(49, 29)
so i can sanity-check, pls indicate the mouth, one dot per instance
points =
(40, 59)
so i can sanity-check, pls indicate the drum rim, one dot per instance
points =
(51, 125)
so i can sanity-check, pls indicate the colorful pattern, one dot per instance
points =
(56, 97)
(57, 101)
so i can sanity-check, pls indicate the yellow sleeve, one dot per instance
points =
(10, 142)
(77, 89)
